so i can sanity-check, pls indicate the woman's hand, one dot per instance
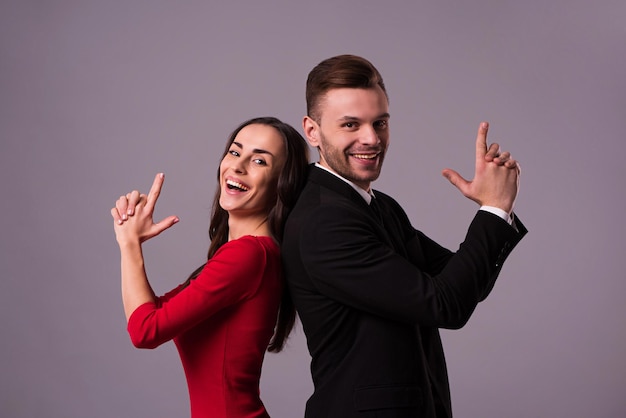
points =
(133, 215)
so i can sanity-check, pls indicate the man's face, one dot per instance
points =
(353, 133)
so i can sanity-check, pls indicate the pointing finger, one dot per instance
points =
(481, 141)
(155, 191)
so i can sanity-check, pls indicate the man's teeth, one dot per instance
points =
(235, 185)
(365, 156)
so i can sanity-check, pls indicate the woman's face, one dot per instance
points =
(249, 171)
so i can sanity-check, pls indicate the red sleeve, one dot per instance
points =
(233, 274)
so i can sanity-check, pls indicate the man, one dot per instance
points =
(370, 290)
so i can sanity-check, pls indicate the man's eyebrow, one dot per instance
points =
(348, 118)
(255, 150)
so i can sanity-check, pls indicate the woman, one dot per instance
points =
(224, 316)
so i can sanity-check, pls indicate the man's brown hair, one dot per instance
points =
(341, 71)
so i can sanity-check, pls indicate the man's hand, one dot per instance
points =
(133, 215)
(496, 177)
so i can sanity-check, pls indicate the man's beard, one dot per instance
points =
(339, 161)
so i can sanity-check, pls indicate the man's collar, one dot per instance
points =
(366, 195)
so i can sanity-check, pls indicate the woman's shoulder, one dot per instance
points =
(251, 244)
(244, 259)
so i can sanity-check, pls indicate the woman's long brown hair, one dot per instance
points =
(290, 182)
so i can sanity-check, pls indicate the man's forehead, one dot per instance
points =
(354, 91)
(355, 102)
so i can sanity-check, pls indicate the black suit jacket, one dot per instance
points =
(371, 296)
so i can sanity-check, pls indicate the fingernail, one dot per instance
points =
(124, 216)
(130, 211)
(119, 221)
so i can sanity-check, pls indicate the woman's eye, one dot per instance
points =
(259, 161)
(234, 153)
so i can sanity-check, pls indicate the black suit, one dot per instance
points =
(371, 296)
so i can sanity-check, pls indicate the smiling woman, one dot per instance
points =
(248, 175)
(235, 306)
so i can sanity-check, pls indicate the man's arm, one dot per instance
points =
(349, 263)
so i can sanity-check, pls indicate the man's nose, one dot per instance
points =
(369, 136)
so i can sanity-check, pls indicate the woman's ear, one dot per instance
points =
(311, 131)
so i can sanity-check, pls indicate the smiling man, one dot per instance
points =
(354, 137)
(372, 291)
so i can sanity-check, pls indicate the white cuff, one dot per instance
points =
(499, 212)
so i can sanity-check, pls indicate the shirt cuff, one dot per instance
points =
(498, 212)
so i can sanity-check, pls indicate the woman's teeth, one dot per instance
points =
(236, 185)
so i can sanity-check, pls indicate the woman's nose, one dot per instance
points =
(238, 165)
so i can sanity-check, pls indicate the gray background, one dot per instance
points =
(96, 97)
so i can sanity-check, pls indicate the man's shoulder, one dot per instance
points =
(323, 187)
(384, 196)
(321, 198)
(323, 203)
(387, 200)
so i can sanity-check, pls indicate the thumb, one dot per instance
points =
(165, 224)
(455, 178)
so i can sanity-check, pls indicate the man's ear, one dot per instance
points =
(311, 131)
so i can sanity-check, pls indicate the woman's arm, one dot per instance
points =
(131, 232)
(136, 289)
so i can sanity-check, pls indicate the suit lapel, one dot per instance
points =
(344, 190)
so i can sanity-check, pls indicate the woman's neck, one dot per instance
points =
(248, 225)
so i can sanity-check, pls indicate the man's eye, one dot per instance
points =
(381, 124)
(349, 124)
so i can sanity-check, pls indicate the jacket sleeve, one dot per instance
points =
(232, 275)
(348, 262)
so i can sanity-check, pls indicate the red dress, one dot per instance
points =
(221, 324)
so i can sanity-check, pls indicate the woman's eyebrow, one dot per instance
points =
(255, 150)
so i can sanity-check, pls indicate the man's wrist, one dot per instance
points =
(498, 212)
